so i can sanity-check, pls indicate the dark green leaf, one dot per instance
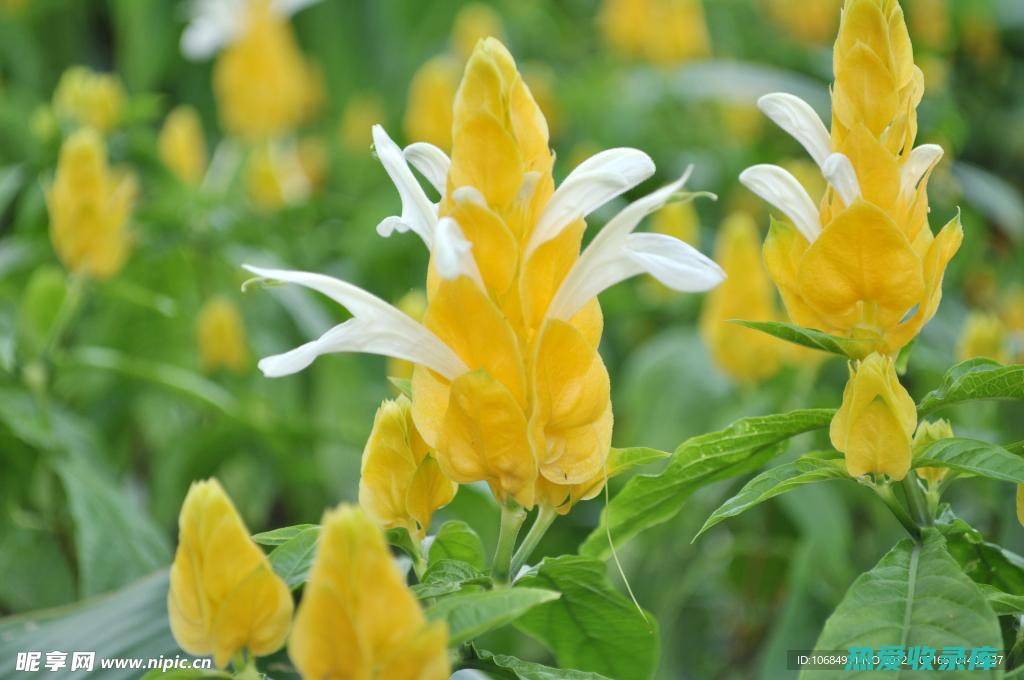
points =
(973, 380)
(809, 337)
(471, 614)
(282, 535)
(1001, 601)
(974, 457)
(293, 559)
(984, 562)
(527, 670)
(449, 576)
(400, 538)
(455, 540)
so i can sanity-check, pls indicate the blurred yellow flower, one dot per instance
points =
(929, 432)
(1020, 504)
(866, 264)
(275, 176)
(414, 305)
(508, 386)
(663, 32)
(224, 596)
(221, 336)
(86, 97)
(678, 220)
(543, 85)
(983, 335)
(362, 112)
(874, 425)
(747, 355)
(930, 24)
(474, 22)
(401, 484)
(182, 145)
(357, 619)
(813, 22)
(428, 111)
(89, 208)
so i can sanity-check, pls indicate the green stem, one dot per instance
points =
(419, 565)
(512, 517)
(545, 516)
(884, 492)
(915, 499)
(68, 308)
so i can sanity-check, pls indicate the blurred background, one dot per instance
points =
(122, 382)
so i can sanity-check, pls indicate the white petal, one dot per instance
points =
(212, 25)
(378, 328)
(452, 252)
(796, 117)
(616, 254)
(289, 7)
(920, 161)
(431, 162)
(471, 194)
(418, 213)
(779, 188)
(593, 183)
(839, 172)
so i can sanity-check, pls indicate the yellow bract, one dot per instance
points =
(357, 619)
(89, 208)
(89, 98)
(929, 432)
(874, 425)
(221, 336)
(182, 145)
(747, 293)
(663, 32)
(984, 335)
(875, 272)
(533, 414)
(400, 483)
(224, 595)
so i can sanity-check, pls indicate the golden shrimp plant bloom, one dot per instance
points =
(508, 386)
(929, 432)
(88, 98)
(400, 483)
(864, 264)
(224, 595)
(357, 619)
(89, 206)
(182, 145)
(221, 336)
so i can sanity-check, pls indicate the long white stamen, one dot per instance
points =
(797, 118)
(779, 188)
(418, 213)
(920, 161)
(839, 172)
(432, 163)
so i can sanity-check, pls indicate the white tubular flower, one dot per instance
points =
(919, 163)
(797, 118)
(431, 162)
(452, 253)
(839, 172)
(418, 213)
(779, 188)
(214, 24)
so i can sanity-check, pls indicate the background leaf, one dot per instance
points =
(974, 457)
(282, 535)
(293, 559)
(455, 540)
(471, 614)
(527, 670)
(975, 379)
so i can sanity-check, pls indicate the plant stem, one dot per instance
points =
(884, 492)
(512, 517)
(915, 499)
(545, 516)
(68, 308)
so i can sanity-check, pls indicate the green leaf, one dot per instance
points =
(1001, 601)
(449, 576)
(592, 627)
(975, 379)
(916, 595)
(471, 614)
(984, 562)
(974, 457)
(282, 535)
(527, 670)
(293, 559)
(455, 540)
(624, 460)
(808, 337)
(648, 500)
(115, 543)
(403, 385)
(778, 480)
(35, 570)
(41, 302)
(400, 538)
(129, 623)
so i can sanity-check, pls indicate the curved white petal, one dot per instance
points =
(377, 328)
(920, 161)
(212, 25)
(471, 194)
(616, 254)
(590, 185)
(779, 188)
(452, 253)
(797, 118)
(431, 162)
(418, 213)
(839, 172)
(289, 7)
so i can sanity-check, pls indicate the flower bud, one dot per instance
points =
(182, 145)
(929, 432)
(983, 336)
(221, 336)
(88, 98)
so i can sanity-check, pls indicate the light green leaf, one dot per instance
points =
(293, 559)
(449, 576)
(40, 305)
(455, 540)
(975, 379)
(648, 500)
(527, 670)
(808, 337)
(1001, 601)
(282, 535)
(778, 480)
(592, 627)
(974, 457)
(624, 460)
(400, 538)
(35, 570)
(471, 614)
(403, 385)
(916, 595)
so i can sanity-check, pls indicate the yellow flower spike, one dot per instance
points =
(984, 335)
(930, 24)
(182, 145)
(428, 109)
(864, 262)
(663, 32)
(224, 595)
(874, 425)
(747, 355)
(474, 22)
(929, 432)
(221, 336)
(361, 113)
(357, 619)
(275, 177)
(813, 22)
(401, 484)
(89, 98)
(89, 208)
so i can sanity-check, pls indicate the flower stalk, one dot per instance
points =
(545, 517)
(919, 507)
(884, 491)
(512, 517)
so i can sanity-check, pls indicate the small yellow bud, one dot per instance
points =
(182, 145)
(89, 98)
(474, 22)
(663, 32)
(927, 434)
(361, 113)
(983, 336)
(401, 484)
(874, 425)
(428, 111)
(221, 336)
(224, 595)
(89, 208)
(357, 618)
